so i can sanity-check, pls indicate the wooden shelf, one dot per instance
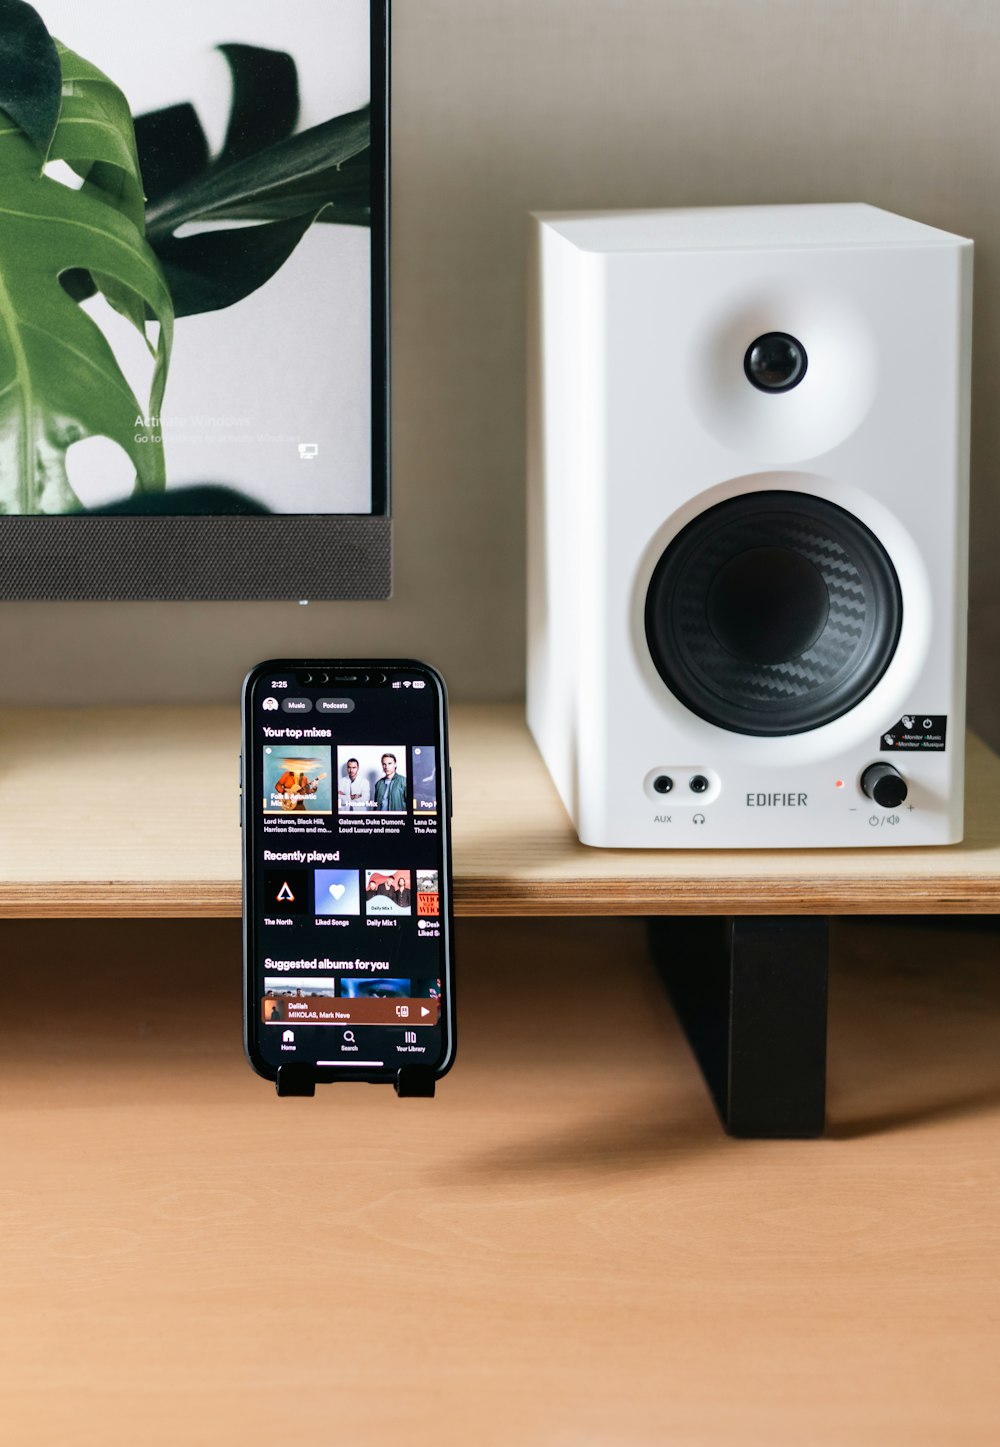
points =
(133, 812)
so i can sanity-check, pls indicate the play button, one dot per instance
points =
(424, 1011)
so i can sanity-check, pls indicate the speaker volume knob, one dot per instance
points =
(884, 784)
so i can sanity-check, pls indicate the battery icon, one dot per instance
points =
(419, 683)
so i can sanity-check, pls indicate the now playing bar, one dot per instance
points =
(280, 1009)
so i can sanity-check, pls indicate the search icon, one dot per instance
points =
(348, 1037)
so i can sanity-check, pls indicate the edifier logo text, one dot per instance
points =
(777, 801)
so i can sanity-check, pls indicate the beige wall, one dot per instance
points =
(510, 105)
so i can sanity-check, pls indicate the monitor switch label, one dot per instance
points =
(925, 731)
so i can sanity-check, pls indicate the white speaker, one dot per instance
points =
(748, 525)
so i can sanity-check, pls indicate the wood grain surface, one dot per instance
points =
(133, 812)
(561, 1250)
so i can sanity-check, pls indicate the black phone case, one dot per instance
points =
(302, 1079)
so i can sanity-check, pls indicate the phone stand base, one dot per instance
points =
(411, 1080)
(751, 996)
(295, 1080)
(415, 1080)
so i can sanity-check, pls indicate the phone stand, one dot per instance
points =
(295, 1080)
(415, 1080)
(411, 1081)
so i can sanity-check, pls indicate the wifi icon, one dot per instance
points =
(406, 683)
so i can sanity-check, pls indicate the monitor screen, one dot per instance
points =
(192, 276)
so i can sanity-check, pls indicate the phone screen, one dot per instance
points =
(346, 843)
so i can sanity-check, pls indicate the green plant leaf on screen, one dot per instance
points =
(217, 268)
(284, 188)
(96, 139)
(172, 148)
(264, 174)
(59, 379)
(297, 176)
(29, 74)
(265, 105)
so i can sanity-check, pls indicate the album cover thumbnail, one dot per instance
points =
(387, 892)
(371, 778)
(288, 891)
(290, 1000)
(337, 891)
(300, 986)
(428, 897)
(364, 987)
(425, 787)
(297, 780)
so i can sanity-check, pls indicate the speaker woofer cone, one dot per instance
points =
(773, 613)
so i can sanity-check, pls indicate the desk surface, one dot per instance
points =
(133, 812)
(561, 1250)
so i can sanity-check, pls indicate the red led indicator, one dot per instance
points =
(840, 783)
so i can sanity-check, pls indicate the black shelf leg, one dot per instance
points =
(751, 995)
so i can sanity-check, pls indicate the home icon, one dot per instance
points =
(287, 1036)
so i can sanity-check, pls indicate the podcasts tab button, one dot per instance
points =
(335, 705)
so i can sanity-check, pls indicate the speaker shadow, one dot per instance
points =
(914, 1017)
(965, 1107)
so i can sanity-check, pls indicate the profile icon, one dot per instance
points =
(269, 705)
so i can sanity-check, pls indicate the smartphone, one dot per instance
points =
(347, 915)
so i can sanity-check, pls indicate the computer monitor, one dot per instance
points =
(193, 299)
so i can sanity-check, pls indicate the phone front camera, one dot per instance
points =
(307, 678)
(775, 362)
(324, 678)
